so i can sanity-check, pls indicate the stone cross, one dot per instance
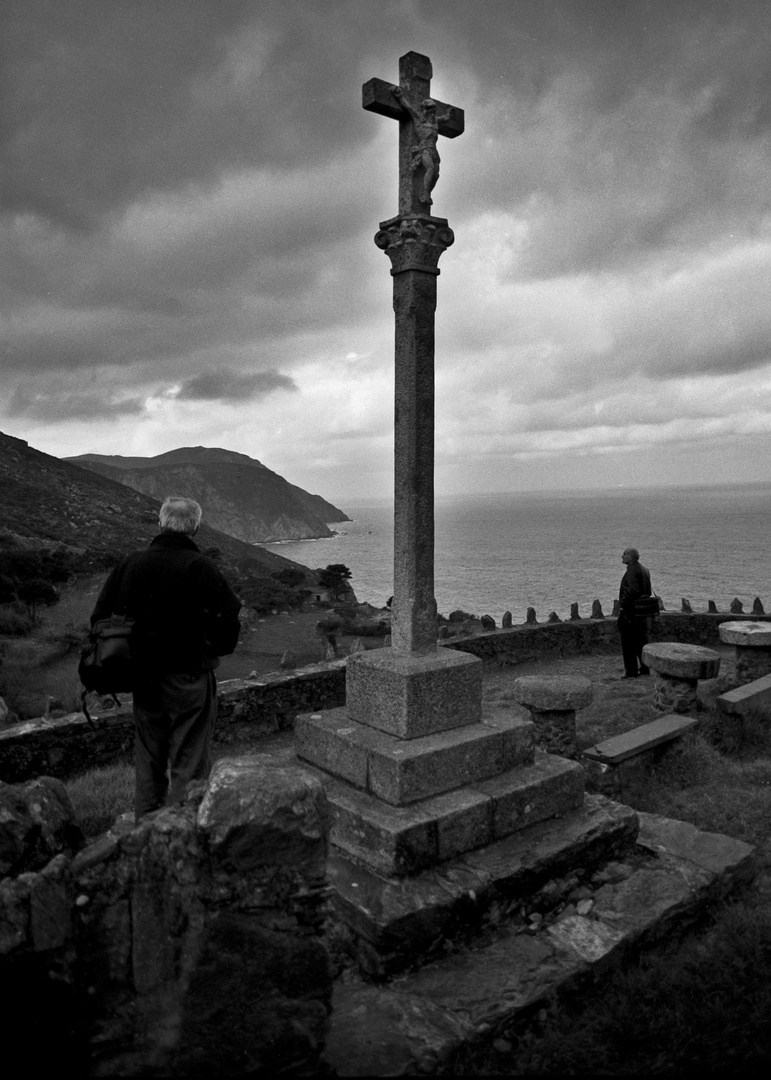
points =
(413, 241)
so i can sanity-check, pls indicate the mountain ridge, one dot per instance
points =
(47, 502)
(239, 494)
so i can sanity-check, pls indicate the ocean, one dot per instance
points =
(495, 553)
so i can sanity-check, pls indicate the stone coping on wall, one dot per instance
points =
(249, 708)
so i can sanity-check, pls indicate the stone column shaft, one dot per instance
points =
(414, 605)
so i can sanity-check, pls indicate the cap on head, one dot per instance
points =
(181, 515)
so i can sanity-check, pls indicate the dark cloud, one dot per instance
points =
(224, 385)
(71, 405)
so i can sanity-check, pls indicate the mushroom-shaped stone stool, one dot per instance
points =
(752, 642)
(552, 703)
(677, 669)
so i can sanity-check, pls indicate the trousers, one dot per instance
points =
(173, 726)
(634, 635)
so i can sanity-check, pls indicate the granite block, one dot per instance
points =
(518, 734)
(412, 696)
(548, 788)
(398, 840)
(332, 742)
(414, 769)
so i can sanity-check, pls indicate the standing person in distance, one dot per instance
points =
(635, 584)
(186, 617)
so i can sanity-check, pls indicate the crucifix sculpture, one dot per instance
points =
(414, 240)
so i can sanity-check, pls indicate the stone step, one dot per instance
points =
(398, 840)
(404, 771)
(415, 1025)
(391, 922)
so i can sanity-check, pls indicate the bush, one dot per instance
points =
(266, 594)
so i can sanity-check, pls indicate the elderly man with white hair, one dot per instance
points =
(186, 617)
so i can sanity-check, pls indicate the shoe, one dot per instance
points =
(628, 676)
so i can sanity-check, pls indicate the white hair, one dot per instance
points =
(180, 515)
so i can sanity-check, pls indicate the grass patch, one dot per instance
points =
(101, 795)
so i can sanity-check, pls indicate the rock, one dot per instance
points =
(530, 617)
(757, 606)
(597, 610)
(685, 605)
(556, 693)
(507, 620)
(583, 907)
(357, 645)
(488, 622)
(574, 616)
(37, 822)
(264, 811)
(736, 606)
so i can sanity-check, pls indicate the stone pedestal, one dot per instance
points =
(677, 669)
(416, 772)
(552, 704)
(752, 642)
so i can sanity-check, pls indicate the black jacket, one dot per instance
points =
(635, 583)
(186, 613)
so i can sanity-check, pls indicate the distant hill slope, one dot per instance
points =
(239, 495)
(45, 501)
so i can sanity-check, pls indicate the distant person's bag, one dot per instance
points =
(106, 665)
(646, 606)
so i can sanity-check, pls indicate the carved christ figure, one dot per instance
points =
(426, 124)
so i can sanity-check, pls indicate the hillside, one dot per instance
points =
(240, 495)
(46, 502)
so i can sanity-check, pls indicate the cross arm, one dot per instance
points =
(378, 96)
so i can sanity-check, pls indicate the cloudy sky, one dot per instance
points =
(190, 190)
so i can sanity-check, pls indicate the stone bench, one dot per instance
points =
(613, 761)
(752, 645)
(677, 669)
(751, 697)
(552, 703)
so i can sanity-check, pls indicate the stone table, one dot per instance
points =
(552, 703)
(677, 668)
(752, 642)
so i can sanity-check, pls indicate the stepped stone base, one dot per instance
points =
(404, 771)
(392, 922)
(416, 1024)
(398, 840)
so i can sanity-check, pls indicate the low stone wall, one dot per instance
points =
(189, 945)
(251, 708)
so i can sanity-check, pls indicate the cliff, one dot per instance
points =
(239, 495)
(47, 502)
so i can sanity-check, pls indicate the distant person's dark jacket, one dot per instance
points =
(186, 613)
(635, 583)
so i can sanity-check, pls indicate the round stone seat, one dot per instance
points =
(552, 704)
(753, 635)
(680, 661)
(752, 648)
(557, 694)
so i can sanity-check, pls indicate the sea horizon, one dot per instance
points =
(497, 552)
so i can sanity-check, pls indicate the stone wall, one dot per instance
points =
(251, 708)
(189, 945)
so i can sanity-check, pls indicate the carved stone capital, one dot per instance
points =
(414, 242)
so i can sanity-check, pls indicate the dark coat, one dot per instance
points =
(635, 583)
(185, 612)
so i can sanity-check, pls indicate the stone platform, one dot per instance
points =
(416, 1023)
